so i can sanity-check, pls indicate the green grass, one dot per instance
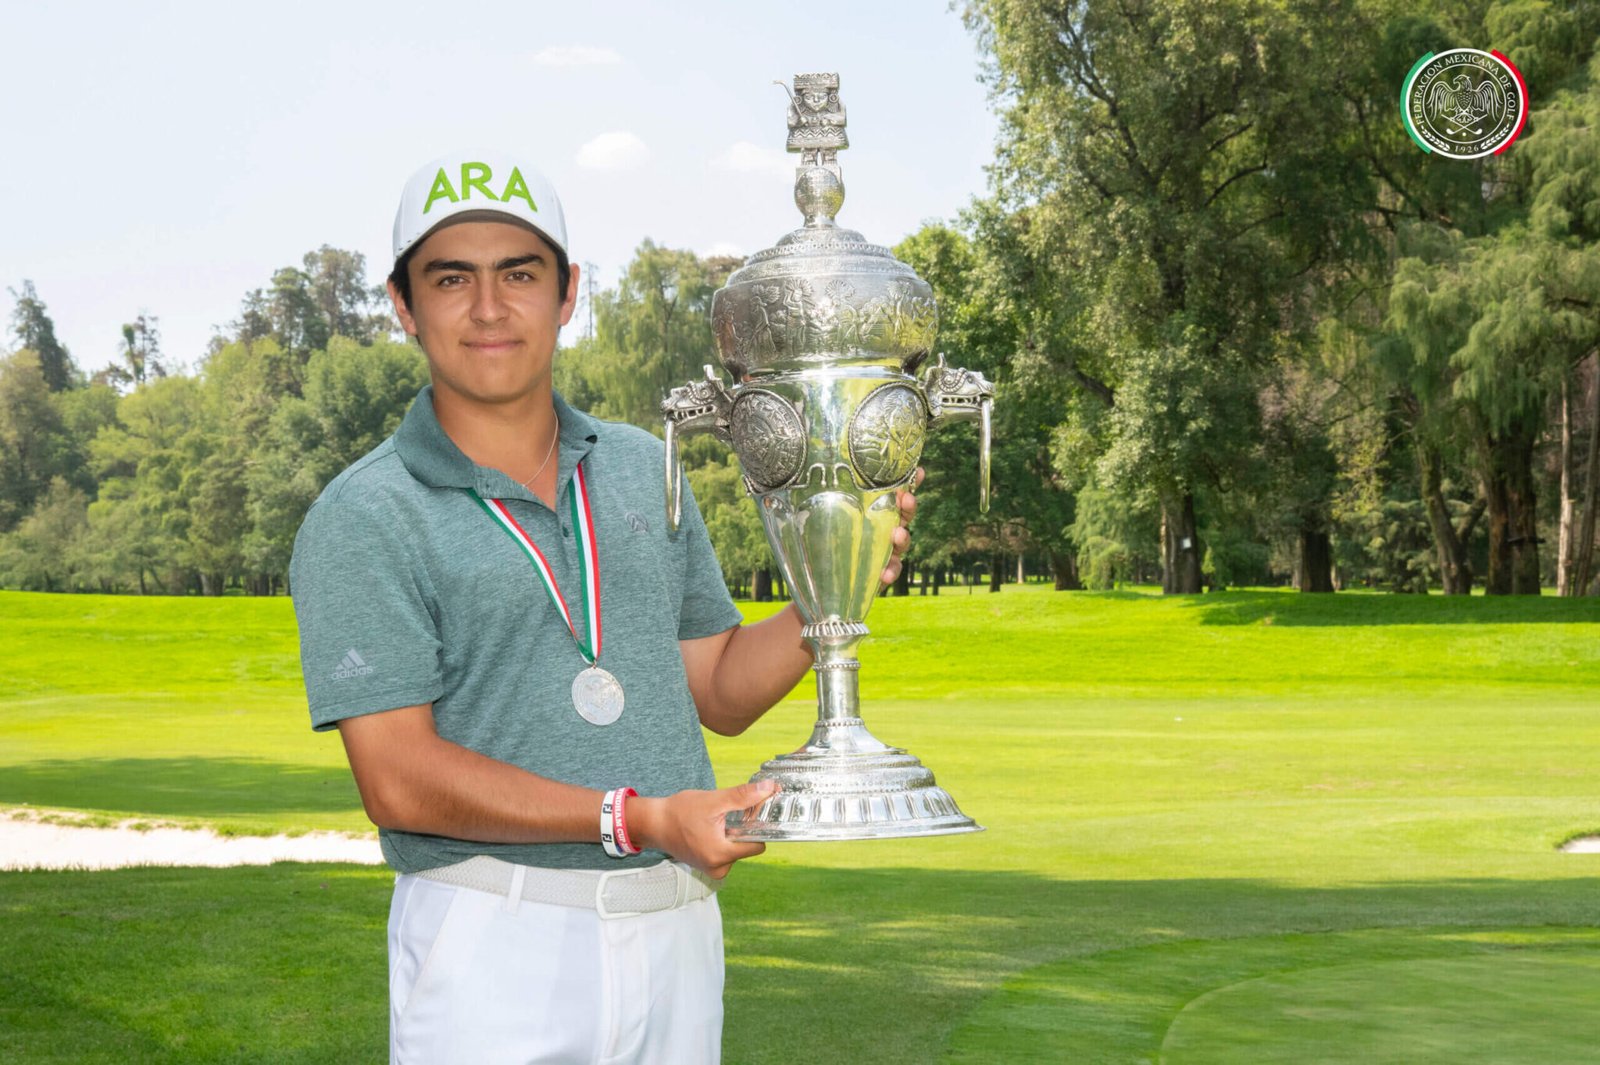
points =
(1249, 827)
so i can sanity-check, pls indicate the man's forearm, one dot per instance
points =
(413, 780)
(759, 665)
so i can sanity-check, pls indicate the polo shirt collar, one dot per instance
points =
(434, 459)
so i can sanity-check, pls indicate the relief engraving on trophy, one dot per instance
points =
(791, 318)
(769, 438)
(886, 435)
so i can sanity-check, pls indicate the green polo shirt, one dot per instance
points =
(406, 592)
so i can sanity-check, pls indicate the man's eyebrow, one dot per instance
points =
(452, 265)
(519, 260)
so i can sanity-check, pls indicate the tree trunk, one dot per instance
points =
(1065, 567)
(761, 580)
(1520, 492)
(1315, 563)
(938, 579)
(996, 564)
(1585, 555)
(1497, 502)
(902, 583)
(1586, 530)
(1566, 540)
(1180, 547)
(1455, 564)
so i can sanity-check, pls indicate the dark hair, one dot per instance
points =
(400, 276)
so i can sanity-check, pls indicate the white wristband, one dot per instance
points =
(614, 824)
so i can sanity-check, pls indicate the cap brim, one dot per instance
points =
(481, 215)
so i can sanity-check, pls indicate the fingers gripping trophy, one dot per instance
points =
(827, 338)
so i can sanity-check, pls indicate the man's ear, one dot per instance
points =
(569, 302)
(401, 311)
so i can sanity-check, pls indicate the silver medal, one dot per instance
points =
(597, 695)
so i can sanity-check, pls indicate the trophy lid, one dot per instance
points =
(823, 295)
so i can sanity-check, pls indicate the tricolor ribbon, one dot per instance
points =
(588, 561)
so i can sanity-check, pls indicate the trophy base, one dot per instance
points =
(834, 795)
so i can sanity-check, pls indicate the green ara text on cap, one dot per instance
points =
(477, 176)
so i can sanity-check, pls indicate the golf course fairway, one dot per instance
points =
(1244, 827)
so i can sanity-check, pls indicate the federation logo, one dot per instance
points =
(1464, 104)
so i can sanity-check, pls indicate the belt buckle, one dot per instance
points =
(600, 907)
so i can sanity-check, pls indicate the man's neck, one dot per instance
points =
(512, 437)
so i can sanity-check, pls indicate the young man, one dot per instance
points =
(495, 617)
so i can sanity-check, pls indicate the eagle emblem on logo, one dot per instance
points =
(1464, 103)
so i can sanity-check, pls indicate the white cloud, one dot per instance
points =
(577, 55)
(748, 158)
(618, 150)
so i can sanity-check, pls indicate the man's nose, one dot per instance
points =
(488, 304)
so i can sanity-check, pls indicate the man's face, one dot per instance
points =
(816, 99)
(486, 307)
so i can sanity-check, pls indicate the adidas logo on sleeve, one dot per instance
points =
(352, 666)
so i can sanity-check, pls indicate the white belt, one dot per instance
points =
(616, 893)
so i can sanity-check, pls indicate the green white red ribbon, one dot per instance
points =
(588, 561)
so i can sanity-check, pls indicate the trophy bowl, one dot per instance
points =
(827, 339)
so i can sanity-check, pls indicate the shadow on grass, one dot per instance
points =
(286, 963)
(1296, 609)
(180, 787)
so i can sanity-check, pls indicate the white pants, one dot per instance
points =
(478, 979)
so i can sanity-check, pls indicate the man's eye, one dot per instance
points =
(450, 280)
(519, 275)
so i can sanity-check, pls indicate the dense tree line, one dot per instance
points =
(1241, 330)
(140, 479)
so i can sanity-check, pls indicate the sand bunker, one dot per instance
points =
(1582, 845)
(44, 839)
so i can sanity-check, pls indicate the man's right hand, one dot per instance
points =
(690, 825)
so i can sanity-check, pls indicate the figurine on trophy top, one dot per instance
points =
(816, 121)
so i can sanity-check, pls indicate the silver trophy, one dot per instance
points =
(827, 338)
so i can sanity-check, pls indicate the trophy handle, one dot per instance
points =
(955, 394)
(985, 432)
(674, 478)
(697, 407)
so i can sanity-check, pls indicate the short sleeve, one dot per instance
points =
(707, 609)
(368, 640)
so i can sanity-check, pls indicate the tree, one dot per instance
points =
(355, 396)
(35, 331)
(38, 555)
(1564, 174)
(732, 523)
(982, 327)
(142, 462)
(351, 307)
(652, 333)
(305, 306)
(34, 446)
(140, 355)
(1180, 165)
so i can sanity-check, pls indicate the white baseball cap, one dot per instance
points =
(479, 182)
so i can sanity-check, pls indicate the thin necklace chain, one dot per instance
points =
(552, 450)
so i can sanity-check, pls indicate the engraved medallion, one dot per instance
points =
(769, 437)
(886, 435)
(597, 696)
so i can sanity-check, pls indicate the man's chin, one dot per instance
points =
(493, 394)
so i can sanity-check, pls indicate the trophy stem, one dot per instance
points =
(839, 728)
(846, 783)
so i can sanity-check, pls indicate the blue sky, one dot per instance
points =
(166, 158)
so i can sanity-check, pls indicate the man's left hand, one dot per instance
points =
(902, 535)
